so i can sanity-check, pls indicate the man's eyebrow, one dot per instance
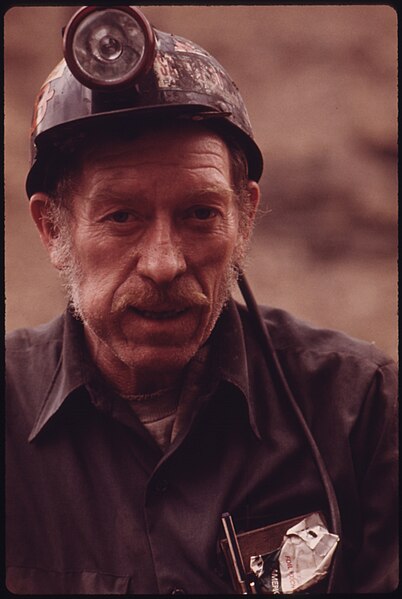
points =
(107, 195)
(213, 191)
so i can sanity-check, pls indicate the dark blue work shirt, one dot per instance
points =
(94, 506)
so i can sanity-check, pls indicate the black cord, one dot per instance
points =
(273, 363)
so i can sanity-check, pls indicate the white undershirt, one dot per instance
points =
(157, 412)
(166, 412)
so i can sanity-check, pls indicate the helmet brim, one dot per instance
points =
(50, 142)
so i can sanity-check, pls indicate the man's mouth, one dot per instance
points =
(159, 314)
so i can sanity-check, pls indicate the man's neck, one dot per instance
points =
(127, 380)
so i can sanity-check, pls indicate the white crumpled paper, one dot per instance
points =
(304, 557)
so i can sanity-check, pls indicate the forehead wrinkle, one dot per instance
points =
(157, 162)
(216, 148)
(103, 175)
(126, 164)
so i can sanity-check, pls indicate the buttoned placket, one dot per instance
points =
(160, 492)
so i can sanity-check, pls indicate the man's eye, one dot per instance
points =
(119, 217)
(203, 213)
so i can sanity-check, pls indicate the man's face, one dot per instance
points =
(155, 232)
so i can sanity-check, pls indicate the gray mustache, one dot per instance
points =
(178, 295)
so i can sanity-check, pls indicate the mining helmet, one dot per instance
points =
(117, 67)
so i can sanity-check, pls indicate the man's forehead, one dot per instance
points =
(174, 134)
(193, 149)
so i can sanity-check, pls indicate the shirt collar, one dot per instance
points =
(230, 361)
(72, 372)
(236, 355)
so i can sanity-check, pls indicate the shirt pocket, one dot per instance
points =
(262, 542)
(34, 581)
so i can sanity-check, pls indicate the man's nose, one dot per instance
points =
(161, 257)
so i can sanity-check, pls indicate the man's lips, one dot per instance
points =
(158, 314)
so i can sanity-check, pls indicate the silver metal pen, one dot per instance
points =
(236, 556)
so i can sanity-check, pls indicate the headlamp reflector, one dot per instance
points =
(108, 48)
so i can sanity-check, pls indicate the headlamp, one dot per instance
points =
(108, 48)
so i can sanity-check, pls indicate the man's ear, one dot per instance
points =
(253, 203)
(39, 205)
(255, 194)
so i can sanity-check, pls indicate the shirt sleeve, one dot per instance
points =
(376, 437)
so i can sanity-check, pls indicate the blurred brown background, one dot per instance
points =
(320, 83)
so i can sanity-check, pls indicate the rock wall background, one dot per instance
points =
(320, 83)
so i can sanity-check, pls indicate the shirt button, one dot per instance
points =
(161, 486)
(219, 572)
(178, 592)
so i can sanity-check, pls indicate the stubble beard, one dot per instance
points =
(71, 272)
(73, 276)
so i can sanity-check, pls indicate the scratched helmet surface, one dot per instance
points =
(182, 81)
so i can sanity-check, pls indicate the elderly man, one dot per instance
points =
(163, 438)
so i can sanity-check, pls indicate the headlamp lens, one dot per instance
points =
(105, 47)
(108, 47)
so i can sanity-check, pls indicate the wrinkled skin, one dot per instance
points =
(155, 230)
